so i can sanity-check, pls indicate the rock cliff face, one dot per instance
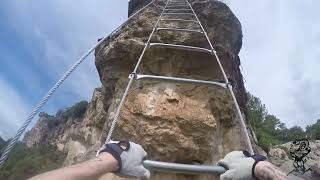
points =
(174, 122)
(73, 135)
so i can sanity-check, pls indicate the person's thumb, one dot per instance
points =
(228, 175)
(143, 172)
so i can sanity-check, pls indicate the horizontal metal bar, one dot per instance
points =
(183, 168)
(183, 47)
(178, 10)
(178, 2)
(177, 6)
(191, 14)
(181, 80)
(182, 20)
(178, 29)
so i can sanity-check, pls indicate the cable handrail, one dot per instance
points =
(45, 99)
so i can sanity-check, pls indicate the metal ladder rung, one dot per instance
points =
(177, 6)
(183, 47)
(191, 14)
(177, 9)
(183, 168)
(181, 80)
(183, 30)
(182, 20)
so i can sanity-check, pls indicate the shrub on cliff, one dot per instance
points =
(2, 143)
(75, 111)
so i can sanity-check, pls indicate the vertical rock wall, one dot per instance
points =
(174, 122)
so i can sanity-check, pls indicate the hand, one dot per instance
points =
(240, 165)
(129, 156)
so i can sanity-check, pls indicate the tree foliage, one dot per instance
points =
(2, 143)
(75, 111)
(313, 131)
(63, 115)
(26, 162)
(270, 130)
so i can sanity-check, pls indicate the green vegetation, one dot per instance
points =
(313, 131)
(271, 131)
(2, 143)
(26, 162)
(62, 116)
(75, 111)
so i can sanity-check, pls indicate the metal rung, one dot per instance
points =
(183, 30)
(177, 9)
(183, 47)
(182, 20)
(183, 168)
(182, 80)
(177, 3)
(191, 14)
(177, 6)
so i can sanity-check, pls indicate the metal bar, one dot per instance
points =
(178, 9)
(181, 80)
(178, 14)
(116, 116)
(45, 99)
(183, 30)
(182, 20)
(178, 1)
(177, 6)
(183, 47)
(241, 119)
(183, 168)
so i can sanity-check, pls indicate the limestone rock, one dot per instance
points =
(77, 137)
(174, 122)
(39, 132)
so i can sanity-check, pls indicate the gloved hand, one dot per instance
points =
(129, 156)
(240, 165)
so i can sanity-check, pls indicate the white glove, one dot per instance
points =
(240, 165)
(129, 156)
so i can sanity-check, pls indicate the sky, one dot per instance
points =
(39, 40)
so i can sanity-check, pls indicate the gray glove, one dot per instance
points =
(240, 165)
(129, 156)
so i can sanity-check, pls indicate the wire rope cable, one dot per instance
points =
(44, 100)
(241, 119)
(132, 76)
